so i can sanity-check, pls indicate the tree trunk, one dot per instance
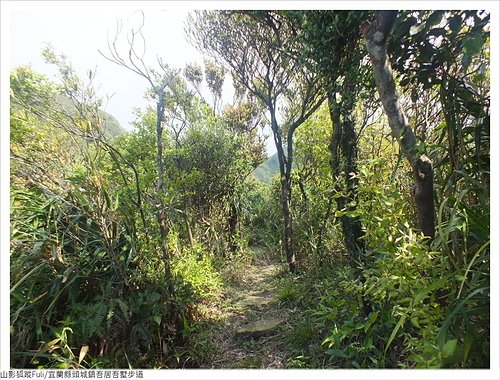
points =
(160, 213)
(343, 162)
(286, 192)
(159, 141)
(375, 34)
(424, 195)
(233, 227)
(187, 218)
(287, 219)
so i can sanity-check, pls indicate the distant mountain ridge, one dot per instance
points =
(266, 171)
(111, 126)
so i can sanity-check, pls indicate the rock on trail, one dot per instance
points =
(260, 328)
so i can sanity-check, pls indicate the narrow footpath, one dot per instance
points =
(252, 322)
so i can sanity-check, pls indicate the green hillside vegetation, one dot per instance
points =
(111, 126)
(266, 171)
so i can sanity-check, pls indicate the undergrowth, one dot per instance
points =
(77, 303)
(407, 305)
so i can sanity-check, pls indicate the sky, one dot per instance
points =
(80, 30)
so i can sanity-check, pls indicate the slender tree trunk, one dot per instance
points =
(343, 163)
(159, 141)
(287, 219)
(161, 212)
(375, 34)
(187, 217)
(286, 192)
(424, 195)
(306, 199)
(233, 227)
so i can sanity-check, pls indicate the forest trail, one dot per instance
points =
(249, 329)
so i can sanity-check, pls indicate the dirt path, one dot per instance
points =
(248, 331)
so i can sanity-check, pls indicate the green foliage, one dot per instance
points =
(288, 294)
(208, 163)
(194, 74)
(58, 353)
(312, 190)
(261, 215)
(89, 286)
(214, 75)
(139, 146)
(79, 260)
(326, 37)
(461, 34)
(458, 141)
(244, 119)
(39, 151)
(48, 277)
(73, 275)
(196, 268)
(406, 296)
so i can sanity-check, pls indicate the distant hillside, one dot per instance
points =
(112, 127)
(266, 171)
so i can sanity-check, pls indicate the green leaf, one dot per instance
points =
(26, 276)
(352, 214)
(437, 32)
(435, 18)
(368, 342)
(373, 316)
(455, 23)
(117, 202)
(449, 348)
(336, 352)
(405, 81)
(416, 358)
(441, 336)
(436, 284)
(66, 274)
(157, 319)
(414, 322)
(469, 340)
(473, 44)
(394, 332)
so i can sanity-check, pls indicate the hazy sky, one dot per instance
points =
(79, 30)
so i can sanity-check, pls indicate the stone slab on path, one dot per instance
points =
(260, 328)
